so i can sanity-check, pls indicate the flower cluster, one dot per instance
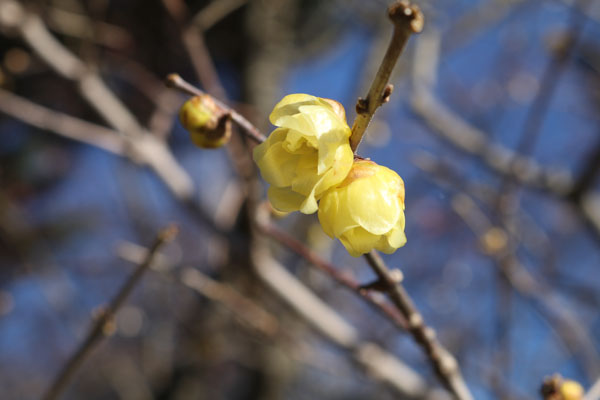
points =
(310, 166)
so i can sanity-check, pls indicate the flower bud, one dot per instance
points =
(366, 210)
(208, 124)
(307, 154)
(571, 390)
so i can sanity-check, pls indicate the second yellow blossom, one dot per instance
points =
(366, 211)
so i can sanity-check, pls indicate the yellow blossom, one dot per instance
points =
(208, 124)
(366, 211)
(307, 154)
(571, 390)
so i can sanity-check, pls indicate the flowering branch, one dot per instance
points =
(177, 82)
(102, 326)
(407, 19)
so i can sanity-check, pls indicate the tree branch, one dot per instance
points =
(177, 82)
(149, 149)
(61, 124)
(407, 19)
(443, 362)
(333, 272)
(102, 326)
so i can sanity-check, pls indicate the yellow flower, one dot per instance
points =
(571, 390)
(208, 124)
(307, 154)
(366, 211)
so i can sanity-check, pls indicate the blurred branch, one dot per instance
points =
(247, 310)
(214, 12)
(498, 242)
(443, 362)
(244, 308)
(82, 27)
(332, 271)
(102, 326)
(407, 19)
(587, 177)
(458, 132)
(555, 68)
(380, 364)
(149, 149)
(471, 140)
(61, 124)
(193, 40)
(594, 392)
(496, 245)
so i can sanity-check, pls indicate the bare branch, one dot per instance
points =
(102, 326)
(333, 272)
(407, 19)
(370, 356)
(570, 330)
(443, 362)
(177, 82)
(148, 148)
(217, 10)
(61, 124)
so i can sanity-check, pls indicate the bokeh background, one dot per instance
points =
(493, 125)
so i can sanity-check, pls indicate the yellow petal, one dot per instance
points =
(334, 214)
(358, 241)
(337, 173)
(289, 106)
(284, 199)
(373, 206)
(277, 165)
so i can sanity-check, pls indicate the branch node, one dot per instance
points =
(415, 321)
(396, 275)
(403, 12)
(362, 106)
(387, 92)
(378, 285)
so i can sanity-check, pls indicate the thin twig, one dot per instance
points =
(61, 124)
(502, 160)
(380, 364)
(333, 272)
(407, 19)
(101, 327)
(568, 327)
(536, 114)
(177, 82)
(443, 362)
(146, 147)
(216, 11)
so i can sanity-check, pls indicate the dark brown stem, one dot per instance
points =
(101, 327)
(442, 361)
(407, 19)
